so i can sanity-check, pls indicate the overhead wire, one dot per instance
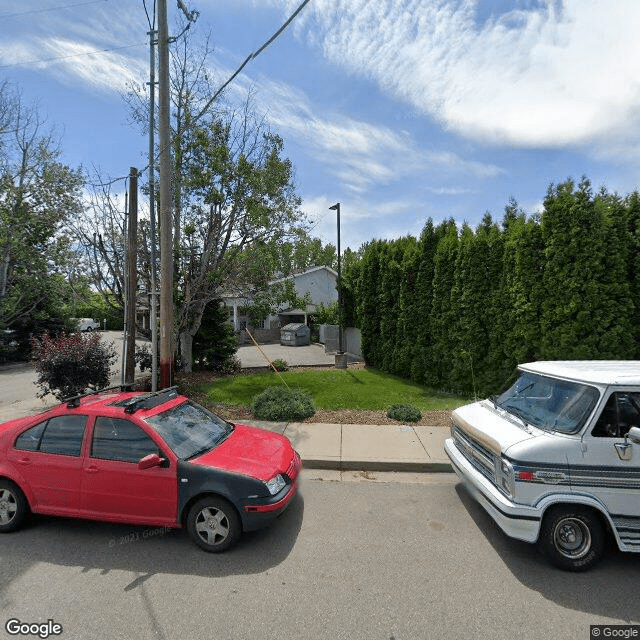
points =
(72, 55)
(46, 9)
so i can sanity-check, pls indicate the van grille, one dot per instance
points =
(477, 454)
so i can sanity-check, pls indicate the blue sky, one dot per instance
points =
(399, 109)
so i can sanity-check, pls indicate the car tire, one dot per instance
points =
(572, 537)
(213, 524)
(14, 507)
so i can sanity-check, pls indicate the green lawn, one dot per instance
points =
(334, 389)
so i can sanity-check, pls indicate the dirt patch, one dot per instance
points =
(187, 384)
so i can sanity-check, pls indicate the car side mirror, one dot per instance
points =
(634, 435)
(152, 460)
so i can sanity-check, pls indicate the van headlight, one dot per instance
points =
(275, 485)
(507, 478)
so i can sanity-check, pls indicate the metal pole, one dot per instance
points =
(166, 250)
(132, 276)
(125, 299)
(153, 306)
(336, 208)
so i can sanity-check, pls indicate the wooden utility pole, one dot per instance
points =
(153, 301)
(165, 217)
(132, 276)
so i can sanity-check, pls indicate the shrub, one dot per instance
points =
(68, 364)
(404, 413)
(230, 367)
(282, 404)
(143, 357)
(280, 365)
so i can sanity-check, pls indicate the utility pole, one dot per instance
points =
(341, 358)
(166, 248)
(153, 302)
(132, 276)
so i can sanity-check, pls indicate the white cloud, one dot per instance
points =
(555, 73)
(360, 154)
(363, 219)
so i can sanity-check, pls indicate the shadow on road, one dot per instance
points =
(609, 589)
(144, 550)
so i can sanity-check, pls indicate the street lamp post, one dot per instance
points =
(341, 360)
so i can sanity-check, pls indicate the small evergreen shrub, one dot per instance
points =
(231, 366)
(404, 413)
(280, 404)
(66, 365)
(280, 365)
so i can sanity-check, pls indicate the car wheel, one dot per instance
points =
(213, 524)
(13, 506)
(572, 538)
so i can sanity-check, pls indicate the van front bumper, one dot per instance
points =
(517, 521)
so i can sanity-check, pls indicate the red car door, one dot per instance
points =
(48, 458)
(115, 488)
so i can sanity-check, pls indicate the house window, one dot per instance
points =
(258, 325)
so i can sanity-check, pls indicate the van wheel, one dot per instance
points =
(572, 538)
(13, 507)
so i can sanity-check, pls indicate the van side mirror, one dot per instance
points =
(634, 435)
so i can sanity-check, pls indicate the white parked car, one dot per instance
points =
(87, 324)
(555, 459)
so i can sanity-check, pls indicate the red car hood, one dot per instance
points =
(251, 452)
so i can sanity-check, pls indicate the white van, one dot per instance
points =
(555, 459)
(87, 324)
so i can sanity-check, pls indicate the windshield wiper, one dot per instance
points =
(518, 414)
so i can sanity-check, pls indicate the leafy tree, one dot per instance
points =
(38, 194)
(232, 190)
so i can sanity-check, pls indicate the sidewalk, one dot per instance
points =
(347, 447)
(366, 447)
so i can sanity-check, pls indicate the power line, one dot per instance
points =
(252, 56)
(66, 6)
(72, 55)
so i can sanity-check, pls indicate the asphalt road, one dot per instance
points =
(350, 560)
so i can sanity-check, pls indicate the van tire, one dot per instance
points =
(572, 537)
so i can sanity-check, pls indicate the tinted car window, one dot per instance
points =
(29, 440)
(116, 439)
(63, 435)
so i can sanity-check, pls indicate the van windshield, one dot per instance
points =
(549, 403)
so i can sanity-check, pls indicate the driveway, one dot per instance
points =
(251, 356)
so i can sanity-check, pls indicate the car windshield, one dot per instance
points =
(549, 403)
(189, 429)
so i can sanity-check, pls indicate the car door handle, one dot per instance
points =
(91, 469)
(24, 461)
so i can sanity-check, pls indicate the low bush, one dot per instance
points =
(280, 365)
(280, 404)
(404, 413)
(66, 365)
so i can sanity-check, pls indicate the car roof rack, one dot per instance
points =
(133, 404)
(74, 401)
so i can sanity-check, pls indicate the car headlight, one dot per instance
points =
(275, 485)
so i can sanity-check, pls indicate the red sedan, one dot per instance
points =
(146, 459)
